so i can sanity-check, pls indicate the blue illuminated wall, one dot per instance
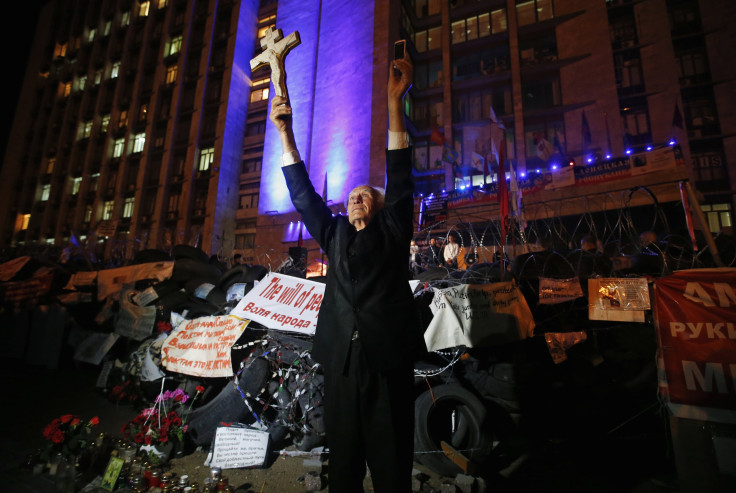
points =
(330, 85)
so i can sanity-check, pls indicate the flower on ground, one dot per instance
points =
(67, 434)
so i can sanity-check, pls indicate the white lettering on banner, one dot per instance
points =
(283, 303)
(714, 375)
(712, 330)
(725, 292)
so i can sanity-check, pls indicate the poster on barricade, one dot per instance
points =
(695, 317)
(201, 347)
(30, 291)
(618, 299)
(478, 315)
(553, 291)
(662, 159)
(283, 302)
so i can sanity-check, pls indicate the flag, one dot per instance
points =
(677, 118)
(324, 191)
(477, 162)
(495, 120)
(557, 142)
(437, 137)
(544, 147)
(449, 155)
(458, 172)
(587, 139)
(300, 241)
(503, 192)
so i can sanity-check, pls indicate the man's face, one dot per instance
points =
(361, 206)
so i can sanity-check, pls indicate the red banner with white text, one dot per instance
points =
(695, 313)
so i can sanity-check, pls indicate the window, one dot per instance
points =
(255, 128)
(423, 8)
(245, 241)
(251, 165)
(50, 165)
(263, 30)
(104, 123)
(98, 77)
(708, 166)
(540, 94)
(206, 158)
(174, 46)
(260, 90)
(88, 213)
(125, 19)
(248, 196)
(143, 112)
(66, 89)
(531, 11)
(60, 50)
(139, 142)
(143, 9)
(636, 124)
(702, 118)
(85, 130)
(691, 64)
(24, 219)
(428, 40)
(81, 82)
(128, 206)
(173, 209)
(76, 183)
(45, 191)
(478, 26)
(718, 216)
(118, 146)
(91, 34)
(162, 3)
(115, 70)
(171, 73)
(123, 119)
(107, 209)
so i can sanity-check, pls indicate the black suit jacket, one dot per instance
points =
(367, 288)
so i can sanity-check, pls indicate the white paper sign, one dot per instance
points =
(283, 303)
(478, 315)
(95, 347)
(239, 447)
(201, 347)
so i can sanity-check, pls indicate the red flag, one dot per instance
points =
(437, 137)
(503, 192)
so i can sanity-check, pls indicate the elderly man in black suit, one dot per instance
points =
(368, 335)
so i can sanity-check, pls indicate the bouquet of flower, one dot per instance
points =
(163, 422)
(68, 435)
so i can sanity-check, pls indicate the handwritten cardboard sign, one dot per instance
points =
(236, 446)
(201, 347)
(283, 303)
(477, 315)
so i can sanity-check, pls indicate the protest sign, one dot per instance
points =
(618, 299)
(477, 315)
(237, 446)
(552, 291)
(201, 347)
(110, 281)
(283, 302)
(95, 347)
(695, 316)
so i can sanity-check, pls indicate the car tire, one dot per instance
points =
(452, 414)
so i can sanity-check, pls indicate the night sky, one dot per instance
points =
(17, 38)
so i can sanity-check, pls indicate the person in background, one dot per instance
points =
(452, 249)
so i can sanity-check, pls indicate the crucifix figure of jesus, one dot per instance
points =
(275, 48)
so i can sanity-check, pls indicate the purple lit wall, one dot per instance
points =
(330, 84)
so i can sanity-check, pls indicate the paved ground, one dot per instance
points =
(634, 458)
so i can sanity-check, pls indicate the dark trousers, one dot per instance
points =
(369, 417)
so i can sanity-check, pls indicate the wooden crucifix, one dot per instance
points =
(275, 48)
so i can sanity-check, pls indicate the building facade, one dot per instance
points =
(147, 127)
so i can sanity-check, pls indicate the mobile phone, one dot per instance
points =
(399, 49)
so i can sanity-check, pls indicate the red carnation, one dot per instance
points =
(57, 437)
(140, 437)
(94, 421)
(66, 418)
(148, 440)
(199, 389)
(75, 422)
